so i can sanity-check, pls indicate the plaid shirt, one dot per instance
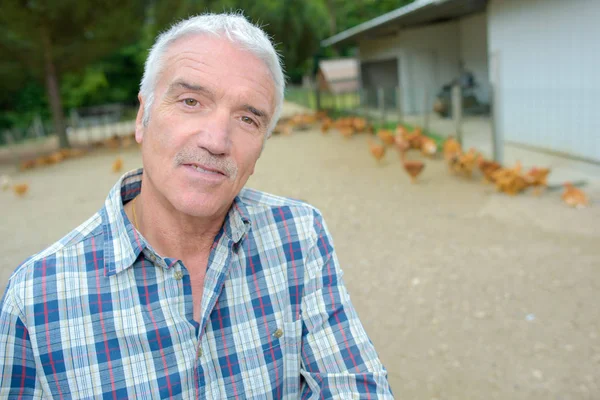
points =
(99, 314)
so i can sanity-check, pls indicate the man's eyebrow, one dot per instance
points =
(262, 115)
(180, 84)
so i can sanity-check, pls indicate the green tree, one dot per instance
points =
(45, 40)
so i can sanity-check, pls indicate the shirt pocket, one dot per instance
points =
(290, 343)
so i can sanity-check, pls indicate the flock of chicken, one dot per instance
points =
(510, 180)
(59, 156)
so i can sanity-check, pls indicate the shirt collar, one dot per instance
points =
(123, 243)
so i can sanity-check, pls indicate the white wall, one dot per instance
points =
(548, 70)
(429, 56)
(474, 51)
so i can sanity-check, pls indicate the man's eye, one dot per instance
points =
(248, 120)
(190, 102)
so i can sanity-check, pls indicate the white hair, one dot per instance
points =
(234, 27)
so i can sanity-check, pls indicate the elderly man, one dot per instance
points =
(185, 285)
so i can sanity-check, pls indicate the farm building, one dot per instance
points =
(536, 61)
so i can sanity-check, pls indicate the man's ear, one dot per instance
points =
(139, 125)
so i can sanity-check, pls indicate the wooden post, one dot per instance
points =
(381, 103)
(399, 104)
(497, 139)
(425, 108)
(457, 112)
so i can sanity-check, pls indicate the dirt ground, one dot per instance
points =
(466, 293)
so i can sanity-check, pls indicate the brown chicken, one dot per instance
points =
(42, 161)
(117, 165)
(574, 197)
(386, 136)
(401, 131)
(415, 138)
(488, 168)
(27, 164)
(21, 189)
(465, 163)
(510, 180)
(127, 142)
(112, 143)
(359, 124)
(537, 178)
(326, 124)
(413, 169)
(402, 145)
(346, 131)
(55, 157)
(451, 150)
(74, 153)
(321, 115)
(345, 122)
(428, 146)
(377, 150)
(287, 129)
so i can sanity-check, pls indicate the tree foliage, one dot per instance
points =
(97, 49)
(43, 40)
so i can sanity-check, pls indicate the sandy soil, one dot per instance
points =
(467, 294)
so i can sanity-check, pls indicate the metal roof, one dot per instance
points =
(420, 12)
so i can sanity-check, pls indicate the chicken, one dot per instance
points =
(279, 126)
(376, 149)
(538, 178)
(415, 138)
(27, 164)
(346, 131)
(386, 136)
(127, 142)
(302, 122)
(465, 163)
(451, 149)
(359, 124)
(321, 115)
(346, 122)
(488, 168)
(55, 157)
(509, 180)
(117, 165)
(287, 129)
(326, 124)
(428, 146)
(413, 168)
(113, 143)
(5, 182)
(42, 160)
(402, 145)
(21, 189)
(574, 197)
(401, 131)
(74, 153)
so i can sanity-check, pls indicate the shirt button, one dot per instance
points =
(178, 275)
(278, 333)
(199, 353)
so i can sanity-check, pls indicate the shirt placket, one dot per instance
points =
(217, 271)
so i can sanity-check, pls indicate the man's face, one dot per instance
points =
(212, 105)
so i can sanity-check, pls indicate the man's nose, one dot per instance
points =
(216, 132)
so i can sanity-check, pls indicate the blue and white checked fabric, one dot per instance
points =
(100, 315)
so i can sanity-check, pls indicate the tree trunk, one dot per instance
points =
(53, 92)
(332, 23)
(332, 17)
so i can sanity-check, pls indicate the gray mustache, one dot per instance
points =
(222, 164)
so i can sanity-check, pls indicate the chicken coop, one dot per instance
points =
(531, 64)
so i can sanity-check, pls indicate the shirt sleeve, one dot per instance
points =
(18, 379)
(338, 359)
